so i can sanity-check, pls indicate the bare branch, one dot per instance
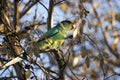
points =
(13, 61)
(105, 39)
(28, 8)
(5, 20)
(118, 74)
(8, 78)
(60, 2)
(16, 14)
(50, 14)
(44, 6)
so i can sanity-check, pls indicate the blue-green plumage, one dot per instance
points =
(54, 37)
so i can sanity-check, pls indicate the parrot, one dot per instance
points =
(54, 37)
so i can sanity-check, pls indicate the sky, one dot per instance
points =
(58, 16)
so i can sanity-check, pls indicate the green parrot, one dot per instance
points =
(54, 37)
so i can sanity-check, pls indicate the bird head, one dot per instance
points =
(67, 25)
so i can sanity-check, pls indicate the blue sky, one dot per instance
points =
(58, 16)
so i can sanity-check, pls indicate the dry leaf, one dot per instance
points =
(64, 7)
(108, 28)
(23, 34)
(84, 0)
(87, 61)
(114, 44)
(101, 63)
(93, 74)
(114, 47)
(75, 33)
(114, 34)
(3, 50)
(96, 5)
(7, 19)
(105, 55)
(96, 63)
(84, 69)
(75, 61)
(28, 12)
(117, 17)
(116, 40)
(2, 28)
(107, 35)
(27, 74)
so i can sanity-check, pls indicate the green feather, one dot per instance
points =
(54, 37)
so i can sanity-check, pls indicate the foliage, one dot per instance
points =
(92, 53)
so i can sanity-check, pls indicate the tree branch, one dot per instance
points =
(50, 14)
(16, 14)
(105, 39)
(44, 6)
(60, 2)
(19, 70)
(29, 7)
(60, 61)
(5, 20)
(8, 78)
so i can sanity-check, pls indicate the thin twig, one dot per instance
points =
(26, 5)
(40, 66)
(35, 23)
(93, 42)
(43, 69)
(60, 61)
(4, 71)
(70, 67)
(28, 8)
(118, 74)
(73, 73)
(59, 2)
(44, 6)
(34, 75)
(8, 78)
(105, 39)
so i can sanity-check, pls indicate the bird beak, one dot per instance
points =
(73, 25)
(74, 29)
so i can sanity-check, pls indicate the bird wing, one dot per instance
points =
(49, 33)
